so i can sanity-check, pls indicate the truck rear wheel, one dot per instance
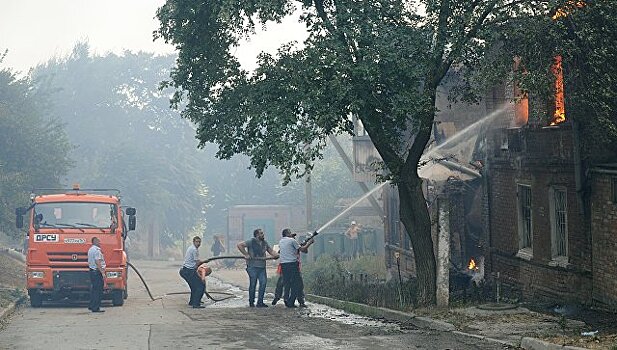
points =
(117, 297)
(36, 298)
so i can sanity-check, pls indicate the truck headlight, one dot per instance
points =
(113, 274)
(37, 274)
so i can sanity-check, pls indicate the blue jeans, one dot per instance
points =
(255, 274)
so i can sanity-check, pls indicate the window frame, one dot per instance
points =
(525, 249)
(556, 252)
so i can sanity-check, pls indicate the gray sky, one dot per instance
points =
(35, 30)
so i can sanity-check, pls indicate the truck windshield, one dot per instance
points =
(75, 214)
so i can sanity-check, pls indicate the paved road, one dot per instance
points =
(170, 324)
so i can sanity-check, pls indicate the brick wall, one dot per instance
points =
(604, 233)
(540, 158)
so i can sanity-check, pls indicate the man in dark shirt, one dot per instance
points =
(254, 250)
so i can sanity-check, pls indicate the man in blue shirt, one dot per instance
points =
(96, 263)
(254, 250)
(189, 273)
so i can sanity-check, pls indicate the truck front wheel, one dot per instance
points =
(36, 298)
(117, 297)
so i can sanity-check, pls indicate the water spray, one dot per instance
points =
(365, 196)
(463, 132)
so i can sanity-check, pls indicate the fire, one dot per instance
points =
(472, 265)
(560, 107)
(570, 6)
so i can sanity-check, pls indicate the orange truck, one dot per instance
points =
(61, 225)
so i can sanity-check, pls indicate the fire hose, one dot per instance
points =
(208, 295)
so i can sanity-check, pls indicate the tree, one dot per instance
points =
(126, 136)
(379, 60)
(34, 147)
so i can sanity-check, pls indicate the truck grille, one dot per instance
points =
(68, 259)
(71, 279)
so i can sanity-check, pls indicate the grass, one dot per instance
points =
(7, 296)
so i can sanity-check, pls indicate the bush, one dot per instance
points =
(361, 280)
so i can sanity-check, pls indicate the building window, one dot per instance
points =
(394, 225)
(525, 231)
(614, 188)
(406, 240)
(559, 222)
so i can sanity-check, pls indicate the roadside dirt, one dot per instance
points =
(512, 325)
(12, 281)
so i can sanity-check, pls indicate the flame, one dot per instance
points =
(569, 6)
(559, 116)
(472, 265)
(521, 106)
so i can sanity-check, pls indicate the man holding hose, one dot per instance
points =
(290, 266)
(254, 250)
(189, 273)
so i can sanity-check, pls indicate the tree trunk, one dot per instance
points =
(415, 217)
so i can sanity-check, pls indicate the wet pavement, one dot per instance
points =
(230, 324)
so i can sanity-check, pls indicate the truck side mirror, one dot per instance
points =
(130, 211)
(19, 217)
(132, 222)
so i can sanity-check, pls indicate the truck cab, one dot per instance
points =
(59, 233)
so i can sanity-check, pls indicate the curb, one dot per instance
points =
(537, 344)
(482, 337)
(11, 308)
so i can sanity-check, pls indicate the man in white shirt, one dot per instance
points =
(290, 265)
(189, 273)
(96, 263)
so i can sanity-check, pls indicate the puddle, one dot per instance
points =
(329, 313)
(313, 311)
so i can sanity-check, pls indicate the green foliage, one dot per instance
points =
(584, 37)
(34, 148)
(361, 280)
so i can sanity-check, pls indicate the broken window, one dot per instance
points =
(524, 216)
(559, 222)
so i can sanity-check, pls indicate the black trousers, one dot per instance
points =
(96, 289)
(280, 287)
(195, 283)
(292, 280)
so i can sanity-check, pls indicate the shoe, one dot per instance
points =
(99, 310)
(302, 305)
(275, 300)
(261, 305)
(251, 305)
(198, 307)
